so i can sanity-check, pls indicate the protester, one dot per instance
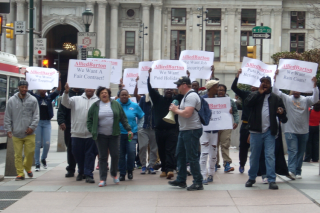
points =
(64, 121)
(166, 133)
(127, 144)
(224, 136)
(244, 132)
(312, 149)
(43, 131)
(103, 123)
(83, 146)
(20, 121)
(190, 131)
(265, 107)
(296, 129)
(195, 86)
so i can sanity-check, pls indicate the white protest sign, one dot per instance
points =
(144, 67)
(129, 79)
(221, 117)
(199, 63)
(296, 75)
(88, 74)
(116, 68)
(134, 100)
(166, 72)
(42, 78)
(253, 70)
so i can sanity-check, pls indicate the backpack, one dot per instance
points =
(204, 112)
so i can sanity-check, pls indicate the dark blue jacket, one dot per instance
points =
(213, 131)
(148, 113)
(48, 99)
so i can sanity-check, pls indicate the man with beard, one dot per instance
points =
(296, 131)
(166, 133)
(265, 107)
(244, 132)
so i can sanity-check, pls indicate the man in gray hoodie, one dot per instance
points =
(20, 121)
(83, 146)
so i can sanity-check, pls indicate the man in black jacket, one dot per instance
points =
(262, 123)
(166, 133)
(64, 121)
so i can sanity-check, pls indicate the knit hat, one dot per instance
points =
(211, 83)
(23, 83)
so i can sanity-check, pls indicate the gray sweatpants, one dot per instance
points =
(145, 137)
(105, 143)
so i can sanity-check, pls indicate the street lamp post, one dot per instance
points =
(58, 51)
(87, 17)
(143, 34)
(201, 25)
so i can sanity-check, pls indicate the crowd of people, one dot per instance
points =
(135, 134)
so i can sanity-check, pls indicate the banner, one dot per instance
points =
(198, 63)
(144, 66)
(88, 74)
(253, 70)
(296, 75)
(116, 68)
(221, 117)
(166, 72)
(129, 79)
(42, 78)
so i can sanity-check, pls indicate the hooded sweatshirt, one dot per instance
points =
(79, 106)
(21, 114)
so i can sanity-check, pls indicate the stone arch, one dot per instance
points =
(61, 20)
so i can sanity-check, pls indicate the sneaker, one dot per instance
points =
(298, 177)
(249, 183)
(188, 171)
(122, 178)
(151, 171)
(69, 174)
(44, 163)
(79, 177)
(205, 182)
(218, 166)
(30, 174)
(176, 183)
(130, 175)
(163, 174)
(89, 179)
(116, 180)
(170, 175)
(265, 180)
(18, 178)
(97, 167)
(228, 168)
(37, 168)
(195, 187)
(291, 176)
(102, 183)
(143, 170)
(210, 178)
(273, 186)
(241, 169)
(157, 166)
(139, 166)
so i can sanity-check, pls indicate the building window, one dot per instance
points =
(178, 43)
(248, 17)
(214, 17)
(130, 13)
(130, 42)
(246, 40)
(213, 42)
(178, 16)
(297, 42)
(298, 20)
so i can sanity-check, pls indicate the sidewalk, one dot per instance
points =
(52, 192)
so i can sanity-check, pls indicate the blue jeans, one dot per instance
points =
(296, 147)
(257, 142)
(188, 151)
(127, 153)
(43, 137)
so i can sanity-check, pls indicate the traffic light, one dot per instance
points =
(251, 51)
(9, 31)
(1, 20)
(45, 63)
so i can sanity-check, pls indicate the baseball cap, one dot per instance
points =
(183, 80)
(265, 78)
(23, 83)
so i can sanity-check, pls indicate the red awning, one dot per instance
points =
(9, 68)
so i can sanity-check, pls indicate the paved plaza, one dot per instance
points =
(50, 192)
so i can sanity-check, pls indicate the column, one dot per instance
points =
(146, 21)
(9, 44)
(90, 5)
(277, 30)
(266, 42)
(20, 44)
(157, 32)
(114, 30)
(101, 30)
(230, 34)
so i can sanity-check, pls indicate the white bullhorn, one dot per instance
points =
(170, 116)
